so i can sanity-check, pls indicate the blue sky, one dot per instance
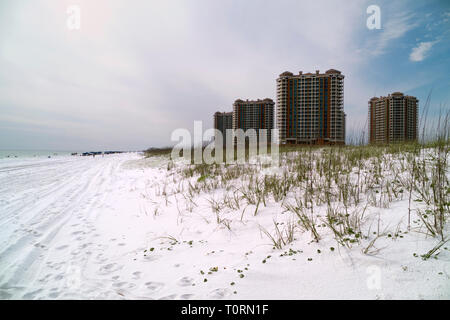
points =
(135, 71)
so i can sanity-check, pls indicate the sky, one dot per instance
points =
(134, 71)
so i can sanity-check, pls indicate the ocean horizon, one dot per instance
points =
(8, 154)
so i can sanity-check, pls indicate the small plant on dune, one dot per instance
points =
(346, 227)
(253, 192)
(281, 237)
(227, 223)
(172, 239)
(189, 202)
(278, 186)
(370, 249)
(432, 252)
(232, 201)
(306, 220)
(216, 207)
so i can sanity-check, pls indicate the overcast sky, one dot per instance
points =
(137, 70)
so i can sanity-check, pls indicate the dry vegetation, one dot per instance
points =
(327, 189)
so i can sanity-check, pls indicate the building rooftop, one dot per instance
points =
(268, 100)
(397, 94)
(300, 73)
(286, 73)
(332, 71)
(218, 113)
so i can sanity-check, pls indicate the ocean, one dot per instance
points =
(11, 154)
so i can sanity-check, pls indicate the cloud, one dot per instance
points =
(395, 28)
(134, 73)
(420, 52)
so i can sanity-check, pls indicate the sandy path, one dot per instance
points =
(47, 217)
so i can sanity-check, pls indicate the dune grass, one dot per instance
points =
(329, 189)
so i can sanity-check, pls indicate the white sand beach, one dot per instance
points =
(115, 227)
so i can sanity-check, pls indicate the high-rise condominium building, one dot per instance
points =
(254, 114)
(393, 118)
(310, 108)
(222, 122)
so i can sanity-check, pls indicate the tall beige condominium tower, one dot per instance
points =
(310, 108)
(393, 118)
(254, 114)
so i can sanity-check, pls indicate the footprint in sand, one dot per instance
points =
(219, 293)
(59, 265)
(186, 296)
(109, 268)
(124, 285)
(75, 252)
(185, 282)
(137, 275)
(85, 245)
(100, 259)
(171, 297)
(62, 247)
(151, 258)
(46, 278)
(59, 277)
(31, 295)
(154, 286)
